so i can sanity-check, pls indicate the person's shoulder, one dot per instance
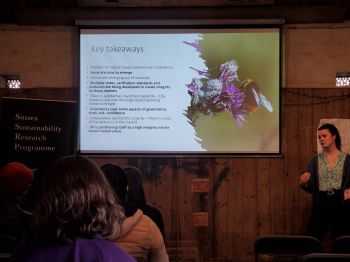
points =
(147, 219)
(145, 222)
(152, 228)
(96, 243)
(103, 249)
(156, 216)
(347, 157)
(146, 225)
(315, 157)
(79, 250)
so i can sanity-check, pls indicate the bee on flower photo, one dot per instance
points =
(231, 84)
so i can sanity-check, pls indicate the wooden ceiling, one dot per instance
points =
(65, 12)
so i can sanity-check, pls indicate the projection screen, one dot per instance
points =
(188, 89)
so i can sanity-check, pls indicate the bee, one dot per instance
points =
(253, 98)
(225, 92)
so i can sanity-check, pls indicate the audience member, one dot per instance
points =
(75, 216)
(26, 201)
(15, 178)
(136, 196)
(139, 235)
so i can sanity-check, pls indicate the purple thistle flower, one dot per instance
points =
(201, 72)
(194, 85)
(228, 71)
(212, 87)
(194, 44)
(230, 88)
(218, 94)
(231, 100)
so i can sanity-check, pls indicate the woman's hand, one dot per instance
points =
(347, 194)
(305, 178)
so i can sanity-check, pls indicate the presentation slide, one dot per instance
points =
(179, 91)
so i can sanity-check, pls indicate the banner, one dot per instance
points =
(36, 132)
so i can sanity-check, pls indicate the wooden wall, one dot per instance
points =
(247, 197)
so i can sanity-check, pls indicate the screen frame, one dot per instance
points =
(184, 24)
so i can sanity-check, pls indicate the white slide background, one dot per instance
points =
(131, 96)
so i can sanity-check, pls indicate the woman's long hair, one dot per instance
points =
(136, 193)
(75, 200)
(118, 180)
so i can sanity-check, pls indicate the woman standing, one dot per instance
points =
(328, 180)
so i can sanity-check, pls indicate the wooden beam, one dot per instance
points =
(45, 16)
(170, 3)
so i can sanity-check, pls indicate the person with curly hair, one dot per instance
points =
(75, 217)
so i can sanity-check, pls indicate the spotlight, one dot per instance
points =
(10, 81)
(342, 79)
